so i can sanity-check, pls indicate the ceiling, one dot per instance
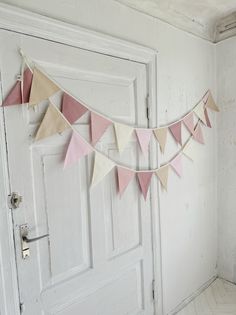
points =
(213, 20)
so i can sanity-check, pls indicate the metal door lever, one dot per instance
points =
(31, 240)
(24, 231)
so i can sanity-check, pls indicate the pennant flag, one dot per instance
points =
(144, 179)
(144, 137)
(189, 122)
(15, 95)
(161, 135)
(124, 177)
(198, 136)
(176, 131)
(42, 88)
(208, 123)
(27, 82)
(211, 103)
(177, 165)
(102, 166)
(53, 122)
(99, 125)
(199, 111)
(162, 174)
(72, 109)
(190, 150)
(123, 134)
(77, 148)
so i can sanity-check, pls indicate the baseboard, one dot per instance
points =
(193, 296)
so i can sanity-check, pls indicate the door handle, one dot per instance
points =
(24, 231)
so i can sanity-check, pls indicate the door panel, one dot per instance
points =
(97, 259)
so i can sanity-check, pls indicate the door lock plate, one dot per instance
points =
(24, 230)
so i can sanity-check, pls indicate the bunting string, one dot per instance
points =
(34, 86)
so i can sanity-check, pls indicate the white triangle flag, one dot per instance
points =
(190, 150)
(199, 111)
(123, 134)
(102, 166)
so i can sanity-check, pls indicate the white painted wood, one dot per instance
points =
(99, 255)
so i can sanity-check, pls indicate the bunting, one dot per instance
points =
(176, 131)
(37, 86)
(124, 177)
(42, 88)
(144, 137)
(144, 179)
(52, 123)
(102, 166)
(77, 149)
(72, 109)
(123, 134)
(161, 135)
(99, 125)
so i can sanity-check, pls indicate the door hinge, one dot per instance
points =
(14, 200)
(147, 107)
(153, 290)
(22, 307)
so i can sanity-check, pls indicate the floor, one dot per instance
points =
(218, 299)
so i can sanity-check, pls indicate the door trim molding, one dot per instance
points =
(32, 24)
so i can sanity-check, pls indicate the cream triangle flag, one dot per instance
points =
(123, 134)
(102, 166)
(42, 88)
(199, 111)
(53, 122)
(162, 174)
(210, 103)
(161, 135)
(190, 149)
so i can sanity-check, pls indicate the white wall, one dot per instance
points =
(226, 85)
(185, 70)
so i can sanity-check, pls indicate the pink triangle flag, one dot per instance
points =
(15, 97)
(189, 122)
(176, 164)
(175, 129)
(124, 177)
(144, 179)
(99, 125)
(208, 123)
(72, 109)
(198, 136)
(77, 148)
(144, 137)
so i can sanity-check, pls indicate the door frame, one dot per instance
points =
(25, 22)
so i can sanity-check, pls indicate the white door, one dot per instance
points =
(97, 259)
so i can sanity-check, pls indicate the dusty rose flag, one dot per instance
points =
(177, 165)
(14, 97)
(124, 177)
(144, 137)
(189, 122)
(176, 132)
(98, 126)
(198, 136)
(208, 122)
(77, 148)
(72, 109)
(144, 179)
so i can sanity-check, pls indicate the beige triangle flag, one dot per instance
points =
(161, 135)
(53, 122)
(42, 88)
(123, 134)
(190, 149)
(162, 174)
(210, 103)
(102, 166)
(199, 111)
